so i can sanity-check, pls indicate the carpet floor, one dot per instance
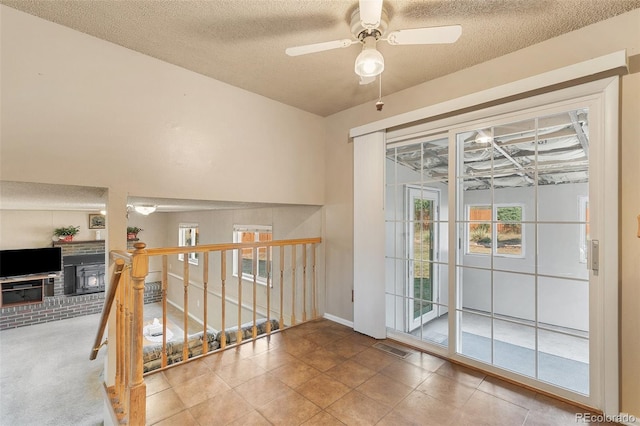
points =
(46, 377)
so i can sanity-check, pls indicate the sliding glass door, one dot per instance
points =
(521, 273)
(492, 236)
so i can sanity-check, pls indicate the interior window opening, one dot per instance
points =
(251, 234)
(188, 236)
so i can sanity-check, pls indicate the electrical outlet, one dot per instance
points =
(198, 303)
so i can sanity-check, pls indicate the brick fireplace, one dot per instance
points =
(59, 303)
(60, 300)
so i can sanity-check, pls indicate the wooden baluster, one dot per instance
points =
(304, 282)
(120, 331)
(239, 332)
(281, 287)
(205, 281)
(255, 251)
(223, 276)
(165, 283)
(268, 270)
(128, 324)
(293, 284)
(185, 308)
(138, 390)
(314, 301)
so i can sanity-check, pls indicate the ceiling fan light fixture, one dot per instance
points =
(145, 209)
(369, 62)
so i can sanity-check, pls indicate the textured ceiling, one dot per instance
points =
(242, 42)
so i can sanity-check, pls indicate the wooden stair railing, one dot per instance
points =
(126, 293)
(106, 309)
(128, 394)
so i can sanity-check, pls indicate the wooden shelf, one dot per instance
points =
(63, 243)
(23, 290)
(26, 278)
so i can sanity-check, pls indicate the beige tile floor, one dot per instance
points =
(323, 373)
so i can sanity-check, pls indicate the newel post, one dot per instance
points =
(138, 391)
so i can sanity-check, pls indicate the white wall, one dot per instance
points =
(85, 111)
(154, 235)
(34, 228)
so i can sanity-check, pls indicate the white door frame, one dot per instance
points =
(414, 192)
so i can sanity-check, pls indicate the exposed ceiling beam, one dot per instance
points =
(580, 133)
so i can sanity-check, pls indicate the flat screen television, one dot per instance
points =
(30, 261)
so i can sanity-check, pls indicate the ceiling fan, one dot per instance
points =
(368, 26)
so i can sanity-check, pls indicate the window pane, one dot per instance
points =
(265, 236)
(252, 234)
(514, 347)
(475, 336)
(247, 253)
(479, 230)
(509, 230)
(188, 237)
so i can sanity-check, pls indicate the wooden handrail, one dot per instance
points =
(228, 246)
(106, 309)
(121, 254)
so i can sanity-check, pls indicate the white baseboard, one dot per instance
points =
(338, 320)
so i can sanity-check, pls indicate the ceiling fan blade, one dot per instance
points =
(370, 13)
(433, 35)
(318, 47)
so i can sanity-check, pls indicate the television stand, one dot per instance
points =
(22, 290)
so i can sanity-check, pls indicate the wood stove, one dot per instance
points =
(84, 274)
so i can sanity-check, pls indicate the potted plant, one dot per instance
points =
(132, 232)
(66, 233)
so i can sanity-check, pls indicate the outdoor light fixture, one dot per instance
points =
(145, 209)
(369, 62)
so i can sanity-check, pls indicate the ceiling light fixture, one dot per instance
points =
(145, 209)
(480, 137)
(369, 62)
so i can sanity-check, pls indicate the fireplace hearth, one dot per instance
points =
(84, 274)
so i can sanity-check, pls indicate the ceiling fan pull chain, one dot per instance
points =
(379, 104)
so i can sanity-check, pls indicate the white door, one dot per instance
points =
(422, 209)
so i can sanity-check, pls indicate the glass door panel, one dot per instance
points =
(416, 239)
(422, 250)
(522, 214)
(514, 347)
